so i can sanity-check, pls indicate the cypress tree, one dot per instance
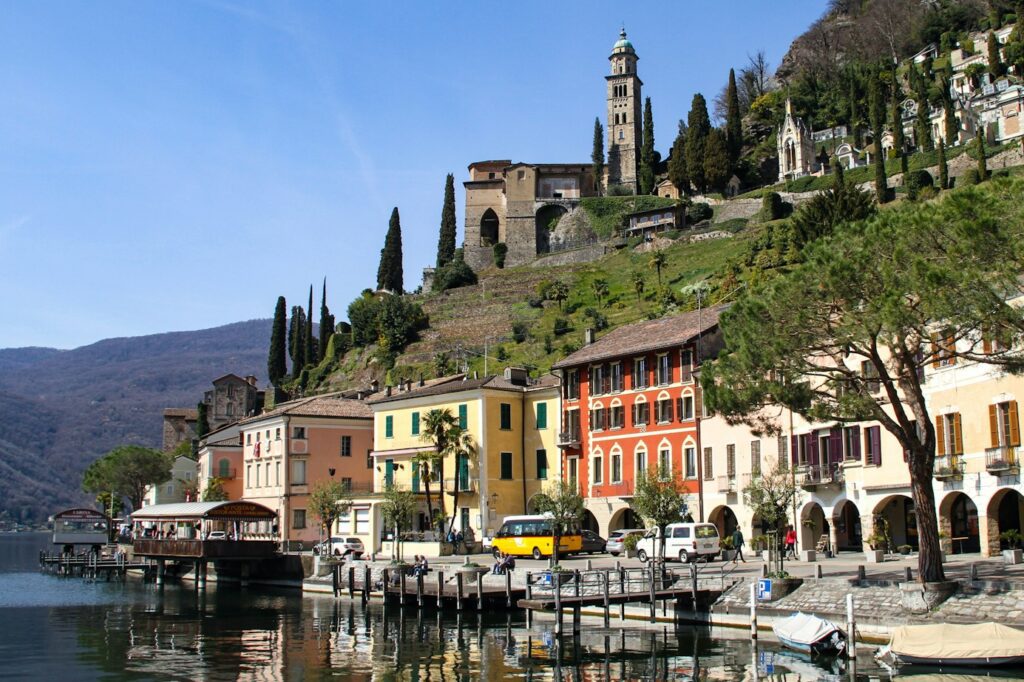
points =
(716, 160)
(995, 64)
(647, 151)
(854, 110)
(877, 116)
(898, 141)
(982, 163)
(698, 126)
(677, 172)
(733, 124)
(389, 272)
(952, 124)
(297, 340)
(202, 420)
(924, 125)
(309, 350)
(277, 362)
(326, 323)
(943, 168)
(597, 155)
(446, 240)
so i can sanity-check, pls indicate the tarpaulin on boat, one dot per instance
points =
(805, 628)
(947, 641)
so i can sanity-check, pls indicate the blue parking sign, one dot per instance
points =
(764, 589)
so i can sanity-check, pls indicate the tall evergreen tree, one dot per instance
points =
(995, 64)
(446, 240)
(677, 171)
(389, 272)
(982, 163)
(899, 142)
(202, 420)
(924, 124)
(951, 122)
(877, 115)
(698, 127)
(943, 167)
(716, 160)
(277, 361)
(854, 103)
(309, 349)
(597, 155)
(297, 340)
(647, 162)
(326, 323)
(733, 124)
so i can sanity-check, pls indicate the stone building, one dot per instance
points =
(231, 399)
(623, 123)
(795, 147)
(179, 426)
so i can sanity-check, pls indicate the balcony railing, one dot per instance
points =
(1001, 460)
(949, 468)
(726, 484)
(464, 484)
(569, 439)
(224, 474)
(821, 475)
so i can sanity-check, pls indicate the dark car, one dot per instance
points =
(592, 542)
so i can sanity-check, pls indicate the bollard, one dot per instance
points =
(334, 580)
(974, 571)
(753, 612)
(764, 570)
(440, 589)
(351, 581)
(529, 596)
(622, 591)
(385, 581)
(508, 589)
(401, 586)
(556, 584)
(861, 574)
(817, 571)
(653, 605)
(908, 573)
(458, 590)
(590, 564)
(480, 592)
(576, 606)
(851, 629)
(366, 584)
(419, 590)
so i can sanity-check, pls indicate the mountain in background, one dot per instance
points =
(60, 410)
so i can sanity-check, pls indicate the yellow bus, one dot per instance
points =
(531, 536)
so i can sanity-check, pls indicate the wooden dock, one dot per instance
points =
(91, 565)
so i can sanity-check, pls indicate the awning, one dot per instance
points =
(237, 510)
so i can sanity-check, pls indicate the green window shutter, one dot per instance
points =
(506, 465)
(506, 416)
(542, 415)
(463, 473)
(463, 417)
(415, 477)
(542, 464)
(389, 426)
(389, 472)
(415, 423)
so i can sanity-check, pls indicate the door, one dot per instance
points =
(463, 477)
(389, 473)
(464, 519)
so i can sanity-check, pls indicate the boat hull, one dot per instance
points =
(993, 662)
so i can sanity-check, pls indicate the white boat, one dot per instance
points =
(983, 644)
(810, 634)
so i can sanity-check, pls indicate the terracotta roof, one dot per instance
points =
(186, 412)
(328, 405)
(460, 382)
(644, 337)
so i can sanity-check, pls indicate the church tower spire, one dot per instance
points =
(623, 125)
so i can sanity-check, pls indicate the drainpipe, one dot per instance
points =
(700, 454)
(522, 450)
(282, 523)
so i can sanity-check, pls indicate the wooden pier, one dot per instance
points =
(91, 565)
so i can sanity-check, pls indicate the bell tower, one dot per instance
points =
(624, 113)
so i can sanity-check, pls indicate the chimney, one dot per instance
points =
(476, 375)
(387, 391)
(374, 386)
(588, 336)
(359, 395)
(401, 384)
(408, 385)
(421, 379)
(517, 376)
(251, 380)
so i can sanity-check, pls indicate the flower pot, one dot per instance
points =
(728, 554)
(470, 574)
(808, 555)
(874, 556)
(1012, 556)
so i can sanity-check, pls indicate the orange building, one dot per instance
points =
(220, 457)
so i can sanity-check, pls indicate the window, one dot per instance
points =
(641, 463)
(257, 475)
(542, 465)
(506, 466)
(344, 523)
(389, 473)
(464, 415)
(616, 376)
(851, 443)
(362, 521)
(640, 373)
(641, 414)
(224, 468)
(597, 380)
(686, 408)
(598, 476)
(369, 459)
(783, 450)
(943, 349)
(277, 473)
(663, 410)
(248, 439)
(415, 423)
(346, 484)
(231, 409)
(1003, 424)
(346, 446)
(231, 392)
(257, 436)
(873, 445)
(755, 458)
(616, 465)
(870, 374)
(665, 461)
(298, 433)
(542, 415)
(298, 472)
(598, 419)
(573, 470)
(685, 364)
(664, 370)
(824, 448)
(690, 454)
(617, 417)
(709, 470)
(730, 460)
(415, 477)
(298, 518)
(572, 385)
(804, 448)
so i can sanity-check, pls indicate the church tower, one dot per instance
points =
(623, 115)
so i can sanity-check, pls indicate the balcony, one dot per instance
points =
(620, 489)
(569, 439)
(225, 474)
(726, 484)
(817, 475)
(464, 484)
(949, 468)
(1001, 460)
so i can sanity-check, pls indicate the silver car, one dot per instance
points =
(340, 546)
(616, 541)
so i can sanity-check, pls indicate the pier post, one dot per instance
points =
(366, 584)
(851, 629)
(160, 567)
(334, 580)
(861, 573)
(401, 586)
(440, 589)
(480, 593)
(753, 611)
(201, 573)
(458, 590)
(909, 575)
(556, 584)
(385, 580)
(974, 571)
(351, 581)
(604, 584)
(652, 589)
(576, 607)
(419, 590)
(817, 571)
(622, 590)
(529, 596)
(508, 589)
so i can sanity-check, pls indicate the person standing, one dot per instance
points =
(791, 543)
(737, 544)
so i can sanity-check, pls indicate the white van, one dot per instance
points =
(683, 541)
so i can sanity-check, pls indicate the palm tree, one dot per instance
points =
(600, 287)
(438, 426)
(638, 284)
(559, 291)
(460, 444)
(658, 261)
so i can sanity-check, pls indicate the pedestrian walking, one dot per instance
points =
(737, 544)
(791, 543)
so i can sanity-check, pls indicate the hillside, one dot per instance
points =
(59, 410)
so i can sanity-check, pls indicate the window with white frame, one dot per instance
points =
(709, 465)
(616, 467)
(755, 458)
(640, 373)
(598, 469)
(641, 462)
(665, 461)
(616, 376)
(690, 455)
(299, 472)
(664, 370)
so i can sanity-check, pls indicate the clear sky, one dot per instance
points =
(178, 165)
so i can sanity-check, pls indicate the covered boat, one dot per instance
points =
(810, 634)
(984, 644)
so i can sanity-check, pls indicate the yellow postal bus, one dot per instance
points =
(531, 536)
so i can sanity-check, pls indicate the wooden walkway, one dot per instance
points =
(89, 565)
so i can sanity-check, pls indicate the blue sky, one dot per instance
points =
(178, 165)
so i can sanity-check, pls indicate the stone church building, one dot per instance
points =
(520, 203)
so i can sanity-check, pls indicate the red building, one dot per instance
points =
(630, 401)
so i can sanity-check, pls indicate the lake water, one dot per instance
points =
(66, 629)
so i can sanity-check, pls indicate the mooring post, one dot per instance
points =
(622, 590)
(458, 590)
(334, 580)
(974, 571)
(366, 584)
(604, 584)
(351, 581)
(817, 571)
(440, 589)
(556, 583)
(861, 573)
(652, 589)
(419, 590)
(753, 611)
(385, 580)
(401, 586)
(576, 607)
(909, 574)
(851, 629)
(508, 589)
(480, 592)
(529, 596)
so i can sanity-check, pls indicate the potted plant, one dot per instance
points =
(877, 542)
(559, 576)
(472, 571)
(728, 553)
(629, 544)
(1012, 538)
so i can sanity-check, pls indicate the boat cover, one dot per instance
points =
(805, 628)
(948, 641)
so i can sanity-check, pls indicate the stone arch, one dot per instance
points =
(625, 518)
(849, 534)
(724, 519)
(813, 525)
(546, 219)
(898, 512)
(958, 516)
(489, 228)
(531, 504)
(589, 522)
(1005, 512)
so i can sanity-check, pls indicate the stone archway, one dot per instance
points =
(848, 531)
(898, 513)
(625, 518)
(531, 504)
(546, 220)
(958, 517)
(813, 526)
(589, 522)
(724, 519)
(489, 234)
(1005, 512)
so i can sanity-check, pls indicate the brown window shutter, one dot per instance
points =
(679, 409)
(940, 435)
(986, 345)
(633, 410)
(668, 410)
(951, 348)
(1014, 425)
(993, 424)
(935, 350)
(958, 434)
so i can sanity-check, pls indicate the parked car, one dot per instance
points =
(683, 541)
(617, 539)
(217, 535)
(340, 546)
(592, 542)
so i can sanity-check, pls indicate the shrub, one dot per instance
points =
(500, 251)
(502, 354)
(561, 326)
(548, 348)
(927, 193)
(771, 206)
(619, 191)
(543, 288)
(454, 274)
(519, 331)
(597, 320)
(698, 212)
(572, 307)
(535, 302)
(570, 347)
(916, 181)
(970, 177)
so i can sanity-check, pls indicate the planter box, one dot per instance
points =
(1012, 556)
(921, 598)
(728, 554)
(784, 586)
(470, 574)
(808, 555)
(874, 556)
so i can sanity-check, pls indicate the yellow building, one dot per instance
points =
(513, 422)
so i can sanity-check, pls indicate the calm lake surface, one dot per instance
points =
(67, 629)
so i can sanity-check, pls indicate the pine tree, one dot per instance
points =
(982, 162)
(647, 151)
(943, 168)
(389, 272)
(733, 124)
(677, 172)
(995, 64)
(446, 240)
(297, 340)
(326, 323)
(309, 350)
(597, 155)
(877, 116)
(698, 127)
(277, 362)
(716, 160)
